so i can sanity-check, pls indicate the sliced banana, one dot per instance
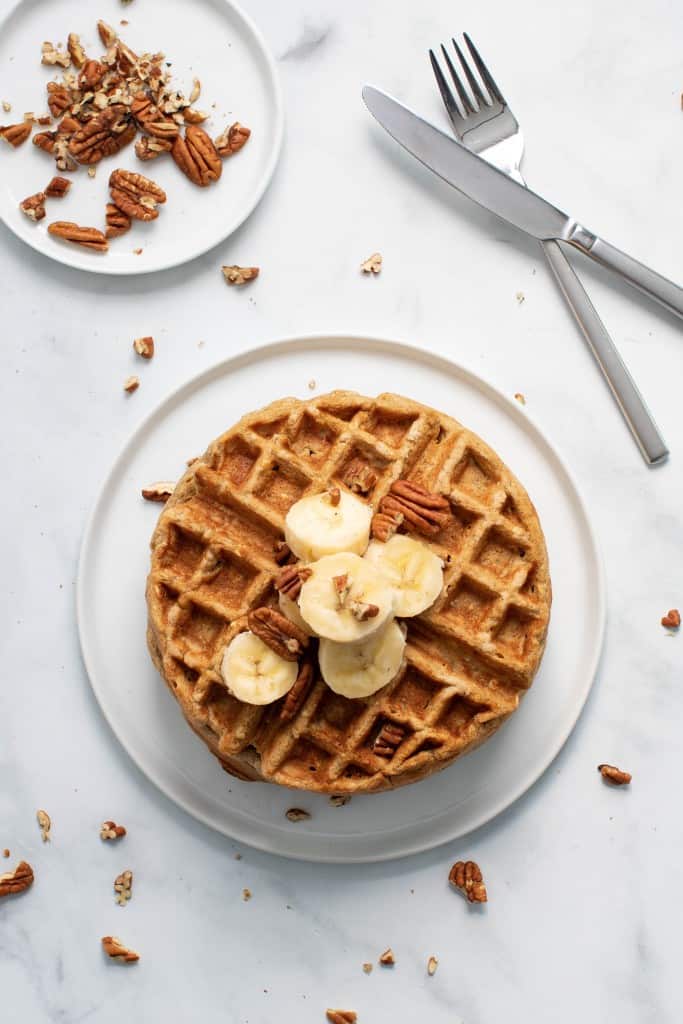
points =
(315, 526)
(290, 609)
(345, 599)
(414, 571)
(357, 670)
(255, 674)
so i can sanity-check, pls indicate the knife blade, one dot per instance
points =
(512, 202)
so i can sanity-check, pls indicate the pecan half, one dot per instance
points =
(388, 739)
(104, 135)
(148, 148)
(278, 633)
(239, 275)
(135, 195)
(614, 775)
(232, 139)
(57, 187)
(16, 134)
(672, 619)
(372, 265)
(197, 157)
(123, 887)
(298, 693)
(290, 578)
(76, 51)
(34, 206)
(110, 830)
(91, 76)
(359, 478)
(144, 347)
(44, 824)
(117, 950)
(117, 221)
(90, 238)
(160, 491)
(466, 876)
(341, 1016)
(297, 814)
(14, 882)
(387, 959)
(422, 511)
(384, 526)
(52, 55)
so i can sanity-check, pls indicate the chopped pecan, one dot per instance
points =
(246, 895)
(14, 882)
(15, 134)
(363, 611)
(117, 221)
(126, 59)
(196, 90)
(91, 76)
(197, 157)
(167, 131)
(117, 950)
(110, 830)
(58, 98)
(239, 275)
(467, 878)
(278, 633)
(135, 195)
(76, 51)
(6, 106)
(387, 959)
(340, 799)
(297, 814)
(432, 965)
(192, 116)
(384, 526)
(64, 161)
(68, 126)
(388, 739)
(372, 265)
(123, 887)
(131, 384)
(144, 347)
(422, 511)
(290, 579)
(614, 775)
(34, 206)
(57, 187)
(104, 135)
(232, 139)
(45, 141)
(90, 238)
(367, 968)
(147, 148)
(672, 619)
(298, 693)
(333, 496)
(160, 491)
(52, 55)
(342, 588)
(341, 1016)
(143, 109)
(44, 824)
(359, 478)
(281, 552)
(106, 33)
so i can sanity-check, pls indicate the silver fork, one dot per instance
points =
(483, 122)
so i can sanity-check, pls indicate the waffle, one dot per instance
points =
(468, 659)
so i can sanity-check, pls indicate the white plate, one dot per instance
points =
(210, 39)
(112, 613)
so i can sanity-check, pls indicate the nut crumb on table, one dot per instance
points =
(5, 852)
(520, 297)
(520, 398)
(240, 275)
(432, 965)
(110, 830)
(297, 814)
(131, 384)
(672, 619)
(387, 958)
(160, 491)
(342, 1016)
(367, 968)
(466, 877)
(144, 347)
(614, 775)
(45, 824)
(6, 106)
(123, 887)
(246, 895)
(373, 264)
(117, 950)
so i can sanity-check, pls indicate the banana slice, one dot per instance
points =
(357, 670)
(345, 599)
(255, 674)
(290, 609)
(315, 526)
(414, 571)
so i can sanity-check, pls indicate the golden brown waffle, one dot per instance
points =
(469, 658)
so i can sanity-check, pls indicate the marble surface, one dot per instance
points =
(584, 881)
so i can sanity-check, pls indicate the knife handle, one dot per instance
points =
(626, 394)
(637, 274)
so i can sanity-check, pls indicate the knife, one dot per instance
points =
(495, 191)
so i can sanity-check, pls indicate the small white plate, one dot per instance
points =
(112, 613)
(208, 39)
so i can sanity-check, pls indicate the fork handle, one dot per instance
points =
(626, 394)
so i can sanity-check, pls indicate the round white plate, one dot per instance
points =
(208, 39)
(112, 613)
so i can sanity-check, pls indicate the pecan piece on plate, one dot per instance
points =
(58, 98)
(422, 511)
(135, 195)
(131, 384)
(144, 346)
(239, 275)
(197, 157)
(373, 264)
(16, 134)
(44, 824)
(298, 693)
(90, 238)
(76, 51)
(341, 1016)
(278, 633)
(148, 148)
(110, 830)
(672, 619)
(160, 491)
(387, 959)
(57, 187)
(297, 814)
(232, 139)
(14, 882)
(123, 887)
(104, 135)
(614, 775)
(117, 221)
(359, 478)
(432, 965)
(117, 950)
(290, 579)
(34, 206)
(466, 876)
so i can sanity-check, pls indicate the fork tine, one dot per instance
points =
(474, 84)
(486, 76)
(464, 98)
(446, 94)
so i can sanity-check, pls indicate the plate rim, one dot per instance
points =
(406, 349)
(67, 258)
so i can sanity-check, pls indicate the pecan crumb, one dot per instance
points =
(312, 384)
(387, 959)
(372, 265)
(92, 171)
(520, 297)
(672, 619)
(123, 887)
(614, 775)
(14, 882)
(57, 187)
(6, 106)
(367, 968)
(297, 814)
(144, 347)
(246, 894)
(520, 398)
(240, 275)
(342, 588)
(116, 949)
(363, 611)
(131, 384)
(52, 55)
(333, 496)
(5, 852)
(341, 1016)
(160, 491)
(466, 876)
(110, 830)
(432, 965)
(44, 823)
(33, 206)
(340, 800)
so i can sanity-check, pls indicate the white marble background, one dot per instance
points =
(585, 882)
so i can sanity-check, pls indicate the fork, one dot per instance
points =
(483, 122)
